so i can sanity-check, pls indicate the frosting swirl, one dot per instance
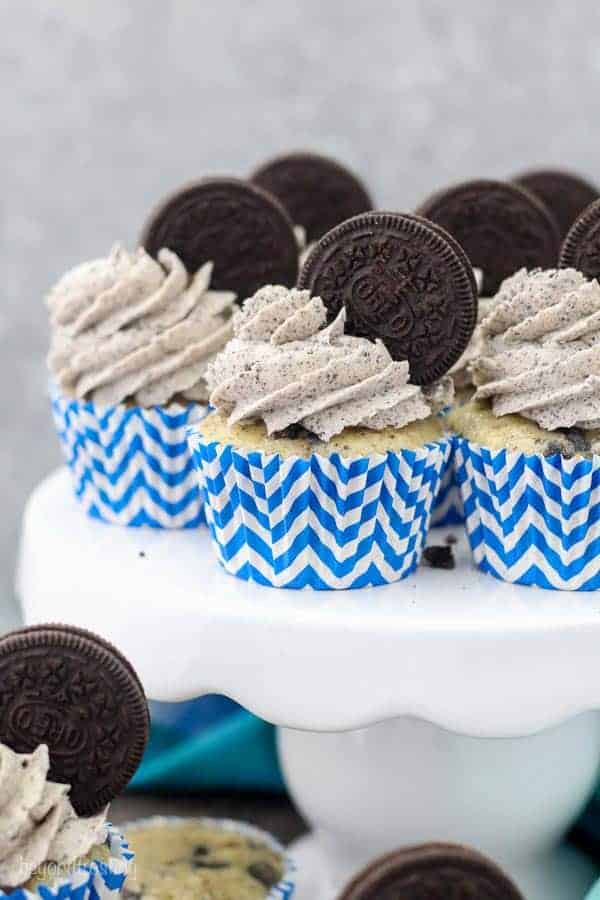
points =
(540, 355)
(285, 367)
(129, 327)
(37, 822)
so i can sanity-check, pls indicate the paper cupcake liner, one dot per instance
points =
(131, 466)
(97, 880)
(448, 506)
(531, 519)
(327, 523)
(283, 890)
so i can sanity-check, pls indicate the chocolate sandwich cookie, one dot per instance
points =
(236, 225)
(69, 689)
(581, 247)
(432, 872)
(566, 195)
(502, 227)
(401, 279)
(317, 192)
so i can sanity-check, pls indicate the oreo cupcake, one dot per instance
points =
(133, 334)
(62, 760)
(502, 228)
(321, 460)
(527, 458)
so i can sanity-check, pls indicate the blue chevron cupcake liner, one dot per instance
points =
(326, 523)
(131, 466)
(97, 880)
(448, 506)
(283, 890)
(531, 519)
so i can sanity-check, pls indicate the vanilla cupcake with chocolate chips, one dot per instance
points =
(187, 859)
(527, 458)
(321, 460)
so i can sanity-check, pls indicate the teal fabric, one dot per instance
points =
(237, 751)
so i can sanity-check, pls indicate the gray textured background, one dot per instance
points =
(107, 105)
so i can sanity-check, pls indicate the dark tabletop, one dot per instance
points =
(272, 812)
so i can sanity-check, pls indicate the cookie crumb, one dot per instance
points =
(451, 539)
(142, 555)
(439, 557)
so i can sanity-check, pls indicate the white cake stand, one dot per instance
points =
(449, 706)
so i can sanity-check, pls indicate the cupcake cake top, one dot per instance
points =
(128, 327)
(287, 367)
(540, 350)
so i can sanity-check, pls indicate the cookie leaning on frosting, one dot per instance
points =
(132, 336)
(73, 727)
(527, 458)
(321, 461)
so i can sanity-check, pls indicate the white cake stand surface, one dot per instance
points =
(449, 706)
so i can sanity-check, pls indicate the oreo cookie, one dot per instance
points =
(317, 192)
(566, 195)
(242, 229)
(432, 872)
(72, 690)
(581, 247)
(401, 279)
(502, 227)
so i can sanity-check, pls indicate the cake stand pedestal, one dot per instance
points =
(449, 706)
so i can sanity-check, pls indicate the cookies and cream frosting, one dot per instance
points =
(132, 328)
(541, 349)
(37, 822)
(286, 366)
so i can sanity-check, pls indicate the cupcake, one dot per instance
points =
(73, 727)
(502, 228)
(321, 460)
(187, 859)
(132, 336)
(527, 458)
